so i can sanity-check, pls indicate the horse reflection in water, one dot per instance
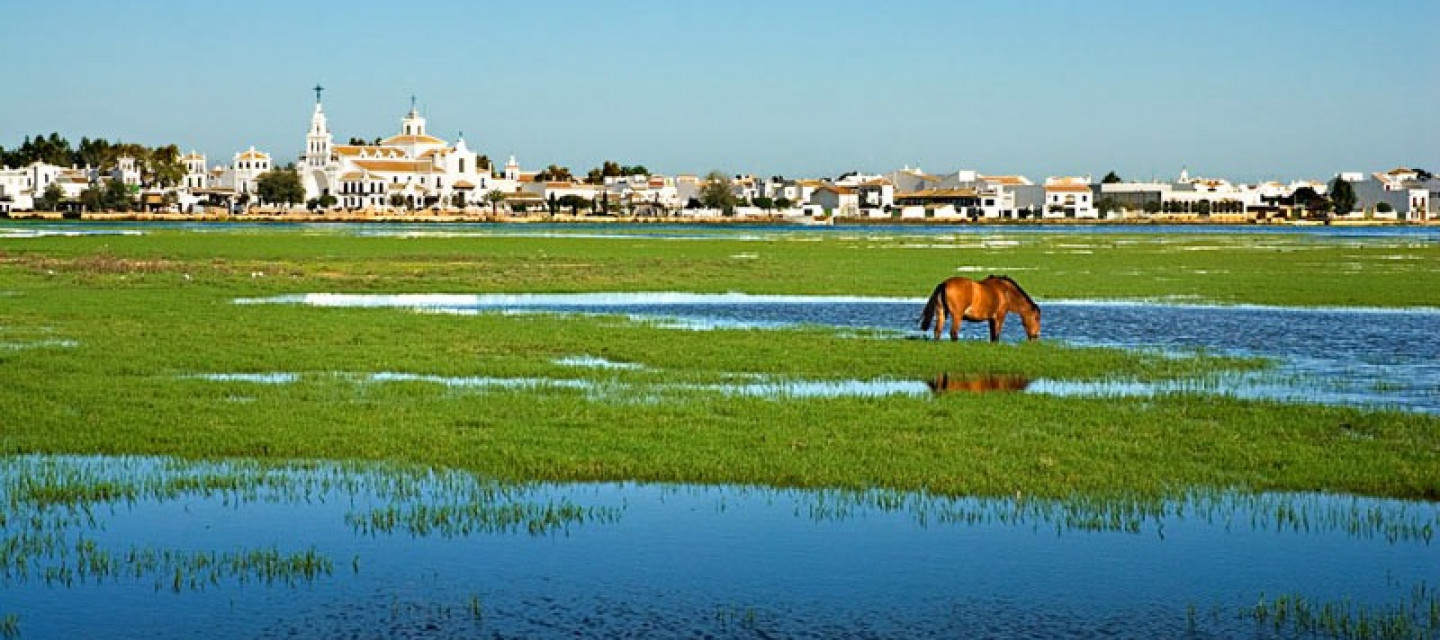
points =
(945, 383)
(989, 300)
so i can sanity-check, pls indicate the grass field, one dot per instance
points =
(102, 339)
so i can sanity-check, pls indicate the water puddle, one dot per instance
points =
(1251, 386)
(241, 549)
(1349, 356)
(38, 344)
(594, 362)
(255, 378)
(18, 233)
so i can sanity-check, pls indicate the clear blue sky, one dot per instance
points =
(1244, 89)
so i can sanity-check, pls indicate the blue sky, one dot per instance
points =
(1247, 90)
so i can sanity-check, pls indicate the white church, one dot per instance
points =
(411, 169)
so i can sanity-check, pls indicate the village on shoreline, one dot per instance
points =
(413, 176)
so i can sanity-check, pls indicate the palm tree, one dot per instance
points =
(494, 197)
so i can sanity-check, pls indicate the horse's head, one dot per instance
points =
(1022, 304)
(1031, 319)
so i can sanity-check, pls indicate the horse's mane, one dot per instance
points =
(1019, 288)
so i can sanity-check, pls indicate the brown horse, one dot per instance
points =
(989, 300)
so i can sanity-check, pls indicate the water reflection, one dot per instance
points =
(1350, 356)
(951, 383)
(235, 549)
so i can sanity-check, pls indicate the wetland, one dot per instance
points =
(459, 430)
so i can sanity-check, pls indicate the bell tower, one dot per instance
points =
(413, 124)
(319, 141)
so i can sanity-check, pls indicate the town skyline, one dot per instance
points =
(1249, 93)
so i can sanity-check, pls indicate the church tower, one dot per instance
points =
(413, 124)
(319, 141)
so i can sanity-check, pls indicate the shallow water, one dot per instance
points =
(411, 553)
(1349, 356)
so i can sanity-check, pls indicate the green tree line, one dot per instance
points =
(159, 166)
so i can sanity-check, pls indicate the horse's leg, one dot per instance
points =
(996, 324)
(955, 327)
(939, 319)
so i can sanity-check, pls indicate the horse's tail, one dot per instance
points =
(928, 315)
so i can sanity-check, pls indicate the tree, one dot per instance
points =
(1106, 205)
(280, 185)
(1203, 208)
(93, 198)
(1342, 196)
(50, 200)
(783, 203)
(494, 197)
(717, 194)
(1111, 178)
(163, 167)
(607, 169)
(397, 200)
(116, 196)
(555, 173)
(1311, 201)
(576, 203)
(763, 202)
(1152, 207)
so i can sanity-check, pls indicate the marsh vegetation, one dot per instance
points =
(121, 345)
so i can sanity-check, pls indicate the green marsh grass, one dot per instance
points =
(1416, 617)
(146, 314)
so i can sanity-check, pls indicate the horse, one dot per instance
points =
(989, 300)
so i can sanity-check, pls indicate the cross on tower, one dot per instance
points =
(412, 103)
(318, 89)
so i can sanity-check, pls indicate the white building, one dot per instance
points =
(1069, 197)
(836, 200)
(411, 169)
(240, 177)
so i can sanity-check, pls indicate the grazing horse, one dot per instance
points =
(989, 299)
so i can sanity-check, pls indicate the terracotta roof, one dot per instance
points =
(1068, 188)
(1005, 180)
(370, 151)
(408, 140)
(464, 184)
(835, 189)
(395, 166)
(936, 194)
(252, 154)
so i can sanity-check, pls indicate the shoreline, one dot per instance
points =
(486, 218)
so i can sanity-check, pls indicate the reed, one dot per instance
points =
(1414, 617)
